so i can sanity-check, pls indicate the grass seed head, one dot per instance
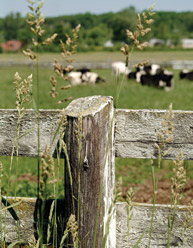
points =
(179, 178)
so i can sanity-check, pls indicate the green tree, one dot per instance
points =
(11, 25)
(125, 19)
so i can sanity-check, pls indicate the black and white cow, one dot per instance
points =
(163, 79)
(152, 69)
(131, 75)
(185, 74)
(83, 70)
(91, 78)
(77, 78)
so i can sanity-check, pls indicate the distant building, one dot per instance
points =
(108, 43)
(187, 43)
(11, 45)
(156, 42)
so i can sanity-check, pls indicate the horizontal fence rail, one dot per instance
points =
(140, 222)
(136, 132)
(28, 145)
(93, 65)
(128, 133)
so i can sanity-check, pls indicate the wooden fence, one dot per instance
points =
(106, 133)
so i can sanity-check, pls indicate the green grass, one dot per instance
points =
(133, 96)
(136, 171)
(23, 177)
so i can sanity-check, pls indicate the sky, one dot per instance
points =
(69, 7)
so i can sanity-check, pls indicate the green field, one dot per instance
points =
(132, 96)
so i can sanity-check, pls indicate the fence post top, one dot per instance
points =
(88, 105)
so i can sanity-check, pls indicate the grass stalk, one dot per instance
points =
(69, 174)
(154, 202)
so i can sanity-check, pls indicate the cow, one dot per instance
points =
(91, 78)
(152, 69)
(144, 70)
(185, 74)
(131, 75)
(83, 70)
(77, 78)
(119, 68)
(163, 79)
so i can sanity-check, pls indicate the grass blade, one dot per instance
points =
(9, 207)
(139, 240)
(13, 244)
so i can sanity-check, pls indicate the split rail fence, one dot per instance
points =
(106, 133)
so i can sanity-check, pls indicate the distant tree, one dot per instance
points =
(60, 31)
(11, 25)
(96, 29)
(24, 35)
(125, 19)
(96, 36)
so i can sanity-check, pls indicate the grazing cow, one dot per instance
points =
(131, 75)
(76, 78)
(152, 69)
(119, 68)
(163, 79)
(144, 70)
(185, 74)
(91, 78)
(83, 70)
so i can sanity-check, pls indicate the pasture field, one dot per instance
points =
(132, 96)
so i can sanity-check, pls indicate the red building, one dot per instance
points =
(11, 45)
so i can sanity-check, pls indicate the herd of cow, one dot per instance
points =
(151, 75)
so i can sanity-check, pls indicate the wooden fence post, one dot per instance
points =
(93, 172)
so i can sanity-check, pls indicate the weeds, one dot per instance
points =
(135, 36)
(187, 223)
(46, 171)
(178, 183)
(164, 137)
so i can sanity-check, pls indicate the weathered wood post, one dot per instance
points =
(93, 172)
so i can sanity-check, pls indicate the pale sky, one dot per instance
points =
(68, 7)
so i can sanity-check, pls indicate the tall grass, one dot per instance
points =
(47, 171)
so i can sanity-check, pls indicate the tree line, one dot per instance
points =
(97, 29)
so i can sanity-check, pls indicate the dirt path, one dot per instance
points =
(144, 192)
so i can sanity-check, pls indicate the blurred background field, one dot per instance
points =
(133, 95)
(134, 172)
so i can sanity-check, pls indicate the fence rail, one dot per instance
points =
(107, 132)
(95, 65)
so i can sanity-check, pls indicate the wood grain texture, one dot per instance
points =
(137, 132)
(140, 221)
(93, 175)
(135, 136)
(28, 126)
